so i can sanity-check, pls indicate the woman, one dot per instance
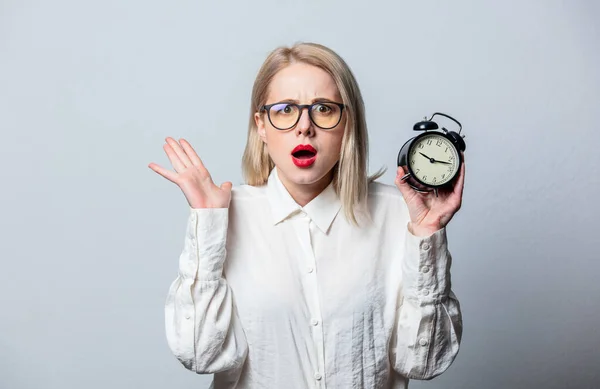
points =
(312, 275)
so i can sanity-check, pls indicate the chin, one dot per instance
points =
(304, 176)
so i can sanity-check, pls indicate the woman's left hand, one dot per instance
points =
(429, 213)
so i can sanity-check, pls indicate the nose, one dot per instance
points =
(305, 125)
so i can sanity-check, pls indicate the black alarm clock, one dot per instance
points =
(432, 159)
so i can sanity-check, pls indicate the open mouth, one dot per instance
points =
(304, 155)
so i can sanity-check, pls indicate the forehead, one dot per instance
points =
(302, 82)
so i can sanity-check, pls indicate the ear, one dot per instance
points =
(260, 125)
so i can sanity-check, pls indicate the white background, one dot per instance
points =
(90, 236)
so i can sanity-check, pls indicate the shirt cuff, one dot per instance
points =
(426, 267)
(205, 244)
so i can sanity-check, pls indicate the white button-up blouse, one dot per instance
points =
(270, 294)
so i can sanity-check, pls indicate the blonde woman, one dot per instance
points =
(311, 275)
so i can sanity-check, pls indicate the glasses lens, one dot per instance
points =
(283, 115)
(326, 115)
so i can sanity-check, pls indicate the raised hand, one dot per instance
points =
(192, 177)
(430, 213)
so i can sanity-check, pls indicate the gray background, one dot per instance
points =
(90, 236)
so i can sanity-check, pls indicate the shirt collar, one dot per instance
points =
(321, 210)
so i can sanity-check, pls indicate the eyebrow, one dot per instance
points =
(315, 100)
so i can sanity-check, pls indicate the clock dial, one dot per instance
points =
(433, 159)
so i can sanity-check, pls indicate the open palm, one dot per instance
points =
(192, 177)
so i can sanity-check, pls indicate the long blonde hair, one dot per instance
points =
(350, 179)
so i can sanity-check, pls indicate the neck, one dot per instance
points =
(305, 193)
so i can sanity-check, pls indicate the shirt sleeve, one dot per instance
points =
(202, 327)
(428, 326)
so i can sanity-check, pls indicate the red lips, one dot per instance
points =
(304, 155)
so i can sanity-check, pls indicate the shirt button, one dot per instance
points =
(425, 246)
(423, 342)
(310, 269)
(318, 376)
(187, 317)
(314, 322)
(425, 269)
(425, 292)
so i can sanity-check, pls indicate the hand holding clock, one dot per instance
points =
(430, 213)
(442, 174)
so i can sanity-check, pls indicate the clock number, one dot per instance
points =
(445, 151)
(424, 177)
(418, 170)
(444, 175)
(434, 179)
(420, 145)
(429, 142)
(439, 142)
(414, 152)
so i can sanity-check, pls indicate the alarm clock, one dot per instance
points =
(432, 159)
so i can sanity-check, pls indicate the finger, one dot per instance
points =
(457, 191)
(194, 158)
(402, 184)
(400, 173)
(179, 151)
(174, 158)
(460, 182)
(169, 175)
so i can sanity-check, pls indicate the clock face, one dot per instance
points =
(433, 159)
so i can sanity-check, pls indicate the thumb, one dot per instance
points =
(226, 186)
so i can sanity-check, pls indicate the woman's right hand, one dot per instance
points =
(192, 177)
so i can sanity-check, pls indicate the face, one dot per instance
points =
(302, 84)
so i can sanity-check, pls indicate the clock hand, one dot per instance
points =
(433, 160)
(429, 158)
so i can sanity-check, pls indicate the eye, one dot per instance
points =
(282, 108)
(323, 109)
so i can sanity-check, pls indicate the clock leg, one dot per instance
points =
(418, 190)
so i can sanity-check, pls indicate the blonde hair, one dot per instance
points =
(350, 180)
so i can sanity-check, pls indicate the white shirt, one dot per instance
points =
(274, 295)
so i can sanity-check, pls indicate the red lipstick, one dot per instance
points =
(304, 155)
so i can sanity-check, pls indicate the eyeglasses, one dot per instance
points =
(325, 115)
